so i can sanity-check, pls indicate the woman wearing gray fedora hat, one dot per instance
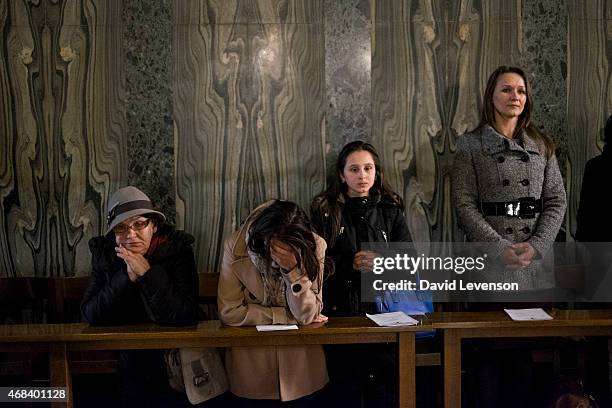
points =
(143, 270)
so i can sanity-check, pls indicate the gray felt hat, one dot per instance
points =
(128, 202)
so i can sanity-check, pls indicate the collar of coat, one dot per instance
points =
(493, 142)
(374, 199)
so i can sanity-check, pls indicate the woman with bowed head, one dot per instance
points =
(143, 270)
(507, 191)
(272, 273)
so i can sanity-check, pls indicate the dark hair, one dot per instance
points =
(287, 222)
(157, 220)
(608, 131)
(327, 201)
(524, 119)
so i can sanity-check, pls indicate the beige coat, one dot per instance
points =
(275, 372)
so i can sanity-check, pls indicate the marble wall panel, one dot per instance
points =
(589, 94)
(248, 109)
(404, 110)
(147, 40)
(430, 64)
(544, 58)
(62, 134)
(212, 106)
(251, 11)
(347, 75)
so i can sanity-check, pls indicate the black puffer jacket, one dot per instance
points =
(167, 294)
(594, 218)
(364, 219)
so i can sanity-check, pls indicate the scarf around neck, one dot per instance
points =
(274, 285)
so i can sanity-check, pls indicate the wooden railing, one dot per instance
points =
(62, 339)
(57, 300)
(65, 341)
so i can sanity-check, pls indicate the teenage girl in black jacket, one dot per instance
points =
(359, 206)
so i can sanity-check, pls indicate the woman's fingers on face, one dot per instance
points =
(120, 250)
(274, 252)
(279, 246)
(277, 256)
(282, 252)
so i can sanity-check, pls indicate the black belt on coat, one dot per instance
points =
(526, 207)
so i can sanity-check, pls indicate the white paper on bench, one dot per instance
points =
(392, 319)
(528, 314)
(276, 327)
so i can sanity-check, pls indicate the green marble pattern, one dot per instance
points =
(63, 139)
(215, 106)
(248, 110)
(430, 64)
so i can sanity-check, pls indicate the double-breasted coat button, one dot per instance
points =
(505, 182)
(525, 158)
(526, 230)
(525, 182)
(509, 230)
(501, 159)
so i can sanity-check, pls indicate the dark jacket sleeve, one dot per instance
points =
(400, 232)
(167, 294)
(587, 214)
(340, 297)
(170, 290)
(319, 218)
(110, 288)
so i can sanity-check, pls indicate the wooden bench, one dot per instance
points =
(22, 300)
(63, 339)
(23, 294)
(66, 295)
(461, 325)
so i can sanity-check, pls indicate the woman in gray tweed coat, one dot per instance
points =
(506, 184)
